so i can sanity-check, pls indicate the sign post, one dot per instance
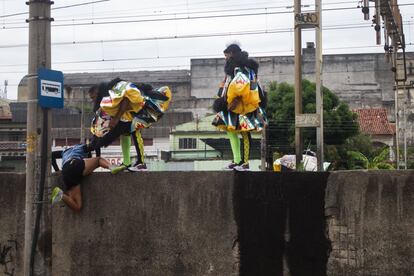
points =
(50, 88)
(305, 20)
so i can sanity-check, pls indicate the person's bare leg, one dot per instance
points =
(104, 163)
(73, 198)
(92, 163)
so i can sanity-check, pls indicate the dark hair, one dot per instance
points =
(238, 59)
(102, 91)
(232, 49)
(93, 88)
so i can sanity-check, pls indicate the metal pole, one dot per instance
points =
(298, 84)
(397, 131)
(82, 130)
(405, 126)
(263, 149)
(39, 56)
(378, 22)
(366, 9)
(319, 91)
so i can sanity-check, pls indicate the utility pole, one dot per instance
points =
(298, 83)
(405, 126)
(263, 149)
(82, 130)
(308, 20)
(388, 13)
(39, 56)
(319, 90)
(397, 126)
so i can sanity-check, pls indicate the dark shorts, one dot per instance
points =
(72, 173)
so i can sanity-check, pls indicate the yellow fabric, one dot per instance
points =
(231, 129)
(140, 142)
(123, 90)
(167, 92)
(246, 147)
(240, 87)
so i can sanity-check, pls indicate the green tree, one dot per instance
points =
(357, 160)
(340, 122)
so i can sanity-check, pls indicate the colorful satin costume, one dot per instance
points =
(144, 109)
(242, 112)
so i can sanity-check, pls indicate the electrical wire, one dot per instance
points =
(253, 54)
(187, 17)
(123, 69)
(185, 13)
(56, 8)
(240, 33)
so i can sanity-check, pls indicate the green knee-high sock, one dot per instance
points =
(235, 146)
(246, 147)
(126, 145)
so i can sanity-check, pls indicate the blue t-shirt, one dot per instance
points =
(76, 152)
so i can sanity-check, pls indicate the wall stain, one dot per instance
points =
(280, 224)
(8, 251)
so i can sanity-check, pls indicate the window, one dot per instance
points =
(187, 143)
(59, 142)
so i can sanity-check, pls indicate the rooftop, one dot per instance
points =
(374, 121)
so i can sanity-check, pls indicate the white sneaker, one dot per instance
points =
(230, 166)
(242, 168)
(138, 168)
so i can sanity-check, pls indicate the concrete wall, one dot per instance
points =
(187, 223)
(148, 224)
(12, 204)
(224, 223)
(371, 223)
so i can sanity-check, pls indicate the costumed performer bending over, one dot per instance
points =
(122, 109)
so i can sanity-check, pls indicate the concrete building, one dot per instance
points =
(12, 140)
(360, 80)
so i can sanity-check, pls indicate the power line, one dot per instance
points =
(152, 8)
(57, 8)
(121, 69)
(192, 12)
(253, 54)
(175, 18)
(240, 33)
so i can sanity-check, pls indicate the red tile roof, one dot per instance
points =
(374, 121)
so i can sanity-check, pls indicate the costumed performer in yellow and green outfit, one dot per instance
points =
(122, 109)
(240, 104)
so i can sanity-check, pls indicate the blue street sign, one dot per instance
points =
(50, 88)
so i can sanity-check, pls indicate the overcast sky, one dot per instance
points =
(131, 35)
